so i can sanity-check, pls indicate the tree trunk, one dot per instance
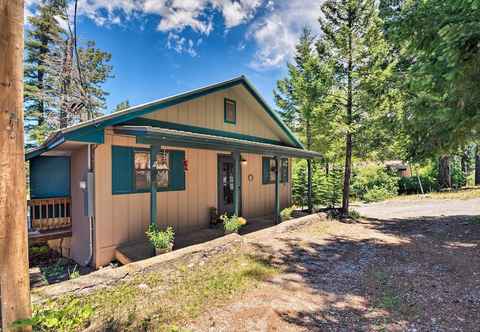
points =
(309, 168)
(444, 176)
(348, 138)
(14, 279)
(477, 166)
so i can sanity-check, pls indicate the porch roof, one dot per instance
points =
(171, 137)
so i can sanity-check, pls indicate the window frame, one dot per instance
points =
(225, 119)
(135, 190)
(284, 177)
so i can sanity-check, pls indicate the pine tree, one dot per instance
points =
(299, 94)
(353, 41)
(122, 105)
(44, 31)
(70, 89)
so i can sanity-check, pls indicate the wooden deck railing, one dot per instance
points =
(50, 213)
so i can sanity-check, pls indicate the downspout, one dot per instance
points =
(90, 188)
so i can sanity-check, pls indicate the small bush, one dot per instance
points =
(374, 183)
(232, 224)
(74, 274)
(160, 239)
(377, 194)
(69, 315)
(286, 213)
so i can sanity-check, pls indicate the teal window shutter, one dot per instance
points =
(177, 170)
(122, 170)
(49, 177)
(265, 170)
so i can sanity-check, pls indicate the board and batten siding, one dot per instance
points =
(208, 112)
(124, 218)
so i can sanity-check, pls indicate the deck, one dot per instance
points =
(132, 252)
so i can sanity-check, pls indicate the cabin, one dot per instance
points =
(177, 161)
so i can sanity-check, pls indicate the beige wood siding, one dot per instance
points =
(124, 218)
(80, 225)
(208, 112)
(259, 199)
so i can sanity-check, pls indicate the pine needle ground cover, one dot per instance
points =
(153, 301)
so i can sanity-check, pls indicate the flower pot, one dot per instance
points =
(160, 251)
(230, 232)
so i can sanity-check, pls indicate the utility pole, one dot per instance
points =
(14, 278)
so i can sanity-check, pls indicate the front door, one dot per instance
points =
(226, 184)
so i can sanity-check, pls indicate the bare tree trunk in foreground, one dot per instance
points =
(14, 279)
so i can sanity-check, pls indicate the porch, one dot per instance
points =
(49, 219)
(133, 252)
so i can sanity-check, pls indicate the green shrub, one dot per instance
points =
(160, 239)
(331, 186)
(376, 195)
(232, 224)
(428, 176)
(300, 183)
(374, 183)
(286, 213)
(70, 315)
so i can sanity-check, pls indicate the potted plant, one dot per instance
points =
(232, 224)
(162, 241)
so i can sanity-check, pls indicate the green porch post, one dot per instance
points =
(153, 184)
(309, 188)
(277, 190)
(236, 190)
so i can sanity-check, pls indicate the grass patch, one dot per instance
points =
(459, 194)
(156, 302)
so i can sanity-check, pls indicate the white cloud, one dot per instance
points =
(276, 33)
(181, 44)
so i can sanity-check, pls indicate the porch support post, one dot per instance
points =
(309, 181)
(277, 190)
(236, 190)
(153, 184)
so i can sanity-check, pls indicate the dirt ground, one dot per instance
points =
(405, 266)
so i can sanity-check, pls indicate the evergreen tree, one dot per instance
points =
(59, 91)
(122, 105)
(353, 41)
(43, 32)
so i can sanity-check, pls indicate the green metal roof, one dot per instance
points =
(92, 131)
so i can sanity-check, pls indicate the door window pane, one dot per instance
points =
(163, 169)
(142, 170)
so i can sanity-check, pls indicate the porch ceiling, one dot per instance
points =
(170, 137)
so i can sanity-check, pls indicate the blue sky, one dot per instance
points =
(163, 47)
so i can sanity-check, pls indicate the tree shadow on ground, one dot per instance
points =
(418, 273)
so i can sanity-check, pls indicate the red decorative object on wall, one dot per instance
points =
(185, 164)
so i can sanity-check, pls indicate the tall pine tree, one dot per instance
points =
(353, 41)
(62, 86)
(43, 31)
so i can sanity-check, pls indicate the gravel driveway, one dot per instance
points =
(420, 208)
(407, 266)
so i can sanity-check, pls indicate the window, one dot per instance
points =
(131, 170)
(268, 170)
(284, 171)
(163, 169)
(142, 170)
(230, 111)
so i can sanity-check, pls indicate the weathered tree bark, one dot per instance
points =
(309, 168)
(464, 165)
(477, 166)
(14, 280)
(444, 176)
(348, 138)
